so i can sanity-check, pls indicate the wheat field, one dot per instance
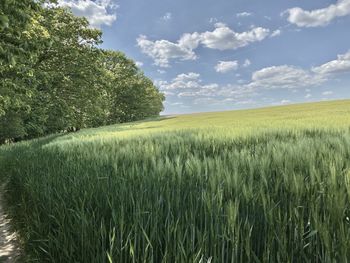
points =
(263, 185)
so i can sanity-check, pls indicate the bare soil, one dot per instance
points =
(9, 249)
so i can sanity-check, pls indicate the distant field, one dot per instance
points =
(334, 115)
(263, 185)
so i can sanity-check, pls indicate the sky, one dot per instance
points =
(207, 55)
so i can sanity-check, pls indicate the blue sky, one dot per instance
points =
(210, 55)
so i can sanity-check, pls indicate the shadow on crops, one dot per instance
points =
(261, 196)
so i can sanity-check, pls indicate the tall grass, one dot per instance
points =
(273, 195)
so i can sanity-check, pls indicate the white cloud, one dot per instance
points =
(139, 63)
(326, 93)
(186, 77)
(161, 84)
(219, 24)
(160, 71)
(209, 90)
(339, 65)
(190, 41)
(206, 101)
(318, 17)
(168, 93)
(291, 77)
(221, 38)
(187, 94)
(276, 33)
(162, 51)
(209, 101)
(191, 87)
(226, 66)
(236, 91)
(98, 13)
(277, 77)
(246, 63)
(244, 14)
(213, 20)
(182, 81)
(168, 16)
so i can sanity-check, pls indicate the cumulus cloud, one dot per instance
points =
(339, 65)
(209, 90)
(98, 13)
(224, 38)
(221, 38)
(226, 66)
(237, 92)
(285, 76)
(190, 41)
(318, 17)
(163, 50)
(190, 86)
(292, 77)
(182, 81)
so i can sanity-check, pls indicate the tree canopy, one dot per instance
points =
(54, 77)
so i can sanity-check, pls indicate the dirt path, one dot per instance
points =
(9, 250)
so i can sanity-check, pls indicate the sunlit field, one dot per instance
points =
(263, 185)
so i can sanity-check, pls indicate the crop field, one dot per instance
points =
(263, 185)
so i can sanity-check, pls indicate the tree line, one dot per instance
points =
(54, 76)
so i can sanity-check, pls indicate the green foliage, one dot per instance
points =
(153, 192)
(16, 50)
(54, 77)
(131, 96)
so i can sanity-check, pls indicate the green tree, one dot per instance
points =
(131, 95)
(20, 39)
(54, 77)
(71, 68)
